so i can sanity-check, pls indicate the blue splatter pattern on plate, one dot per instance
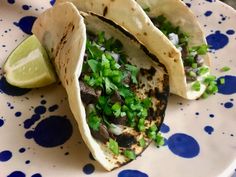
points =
(39, 136)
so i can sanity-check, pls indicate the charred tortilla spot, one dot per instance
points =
(149, 78)
(133, 9)
(171, 54)
(152, 71)
(63, 39)
(148, 24)
(67, 60)
(145, 34)
(151, 114)
(143, 85)
(153, 57)
(166, 84)
(105, 11)
(143, 71)
(126, 140)
(65, 70)
(148, 72)
(91, 3)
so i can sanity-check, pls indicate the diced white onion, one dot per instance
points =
(174, 38)
(115, 56)
(90, 108)
(116, 129)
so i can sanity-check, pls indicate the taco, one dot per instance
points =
(184, 55)
(116, 89)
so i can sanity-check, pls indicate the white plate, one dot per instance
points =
(201, 135)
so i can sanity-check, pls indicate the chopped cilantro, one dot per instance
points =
(196, 86)
(109, 86)
(94, 65)
(107, 110)
(102, 100)
(116, 108)
(125, 92)
(101, 37)
(94, 121)
(102, 70)
(130, 154)
(147, 103)
(134, 72)
(113, 146)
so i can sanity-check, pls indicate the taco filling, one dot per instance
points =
(191, 56)
(107, 84)
(193, 61)
(117, 89)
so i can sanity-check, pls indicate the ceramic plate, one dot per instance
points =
(39, 136)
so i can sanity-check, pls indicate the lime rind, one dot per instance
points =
(28, 66)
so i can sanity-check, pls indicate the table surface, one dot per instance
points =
(230, 2)
(233, 4)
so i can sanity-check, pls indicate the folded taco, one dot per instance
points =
(184, 55)
(116, 89)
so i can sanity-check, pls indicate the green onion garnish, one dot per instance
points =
(209, 79)
(130, 154)
(203, 70)
(194, 65)
(141, 125)
(94, 121)
(201, 50)
(159, 140)
(196, 86)
(113, 146)
(192, 74)
(142, 142)
(222, 81)
(152, 132)
(225, 69)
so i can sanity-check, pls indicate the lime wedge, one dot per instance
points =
(28, 66)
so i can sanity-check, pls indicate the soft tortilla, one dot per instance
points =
(62, 31)
(131, 17)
